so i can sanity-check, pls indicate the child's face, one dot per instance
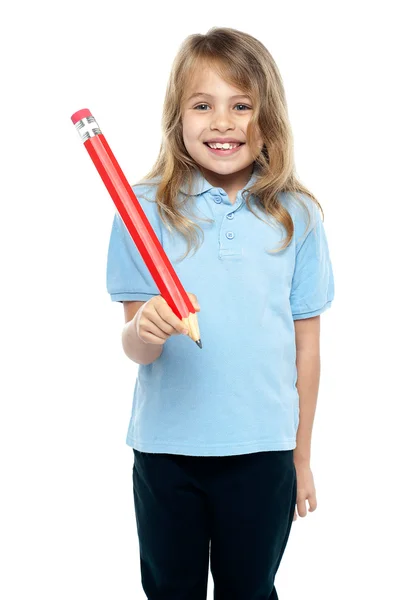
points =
(217, 115)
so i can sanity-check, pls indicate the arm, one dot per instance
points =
(134, 348)
(307, 339)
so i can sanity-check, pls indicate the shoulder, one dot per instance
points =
(145, 193)
(304, 211)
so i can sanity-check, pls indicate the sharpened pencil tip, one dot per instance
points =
(199, 343)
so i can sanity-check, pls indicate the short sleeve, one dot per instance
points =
(127, 275)
(312, 288)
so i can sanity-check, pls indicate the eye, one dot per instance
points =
(204, 104)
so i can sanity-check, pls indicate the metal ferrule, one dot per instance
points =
(87, 128)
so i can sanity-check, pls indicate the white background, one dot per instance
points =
(67, 525)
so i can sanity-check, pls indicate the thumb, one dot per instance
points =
(194, 301)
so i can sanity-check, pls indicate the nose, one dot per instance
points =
(221, 119)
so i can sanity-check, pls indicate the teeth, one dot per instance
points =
(224, 146)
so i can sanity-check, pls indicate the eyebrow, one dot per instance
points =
(210, 95)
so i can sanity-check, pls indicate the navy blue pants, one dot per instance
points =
(236, 511)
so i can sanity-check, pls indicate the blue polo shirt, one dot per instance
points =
(237, 394)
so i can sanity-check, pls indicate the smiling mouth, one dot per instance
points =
(239, 144)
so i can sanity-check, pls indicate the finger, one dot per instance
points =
(154, 324)
(156, 327)
(150, 338)
(312, 502)
(301, 507)
(194, 301)
(167, 320)
(150, 333)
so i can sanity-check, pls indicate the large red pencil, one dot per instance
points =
(136, 221)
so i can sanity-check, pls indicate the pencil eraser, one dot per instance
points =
(84, 112)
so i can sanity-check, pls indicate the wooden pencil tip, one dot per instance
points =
(199, 343)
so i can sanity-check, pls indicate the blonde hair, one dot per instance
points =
(254, 71)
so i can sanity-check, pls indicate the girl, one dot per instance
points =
(220, 455)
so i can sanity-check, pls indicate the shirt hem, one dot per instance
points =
(131, 296)
(312, 313)
(211, 450)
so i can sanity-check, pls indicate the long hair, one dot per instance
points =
(254, 71)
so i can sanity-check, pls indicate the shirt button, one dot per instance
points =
(230, 235)
(230, 216)
(217, 199)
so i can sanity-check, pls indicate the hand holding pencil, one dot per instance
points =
(157, 322)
